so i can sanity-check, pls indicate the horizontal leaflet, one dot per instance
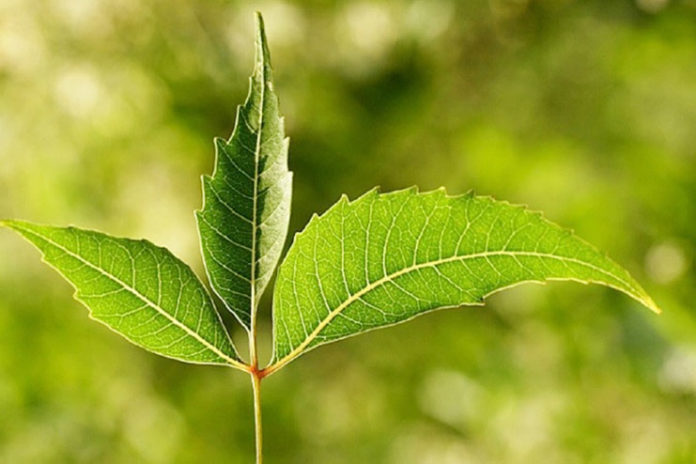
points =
(385, 258)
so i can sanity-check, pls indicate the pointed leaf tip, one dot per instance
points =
(651, 305)
(263, 57)
(259, 20)
(13, 224)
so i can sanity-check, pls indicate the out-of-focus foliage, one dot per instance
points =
(586, 110)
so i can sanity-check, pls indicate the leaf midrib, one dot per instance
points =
(143, 298)
(254, 226)
(633, 292)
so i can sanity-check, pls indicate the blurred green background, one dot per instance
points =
(585, 110)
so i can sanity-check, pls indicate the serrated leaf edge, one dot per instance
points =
(640, 295)
(262, 69)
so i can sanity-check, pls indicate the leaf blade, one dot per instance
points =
(246, 208)
(385, 258)
(138, 290)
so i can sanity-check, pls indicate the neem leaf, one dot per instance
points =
(244, 219)
(137, 289)
(385, 258)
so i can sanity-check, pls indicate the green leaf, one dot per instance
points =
(246, 209)
(385, 258)
(137, 289)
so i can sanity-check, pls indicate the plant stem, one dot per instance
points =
(258, 428)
